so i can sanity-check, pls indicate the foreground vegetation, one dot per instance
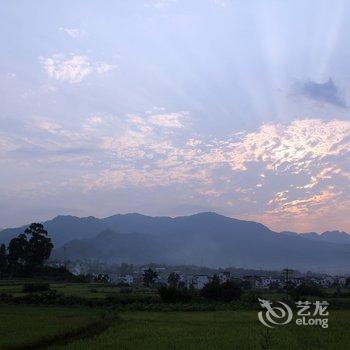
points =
(215, 330)
(21, 325)
(107, 296)
(103, 316)
(35, 327)
(53, 311)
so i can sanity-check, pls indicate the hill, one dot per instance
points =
(328, 236)
(201, 239)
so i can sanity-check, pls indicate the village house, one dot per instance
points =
(78, 268)
(253, 281)
(116, 278)
(199, 281)
(224, 276)
(128, 279)
(186, 280)
(326, 281)
(297, 281)
(340, 280)
(265, 282)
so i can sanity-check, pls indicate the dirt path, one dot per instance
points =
(88, 331)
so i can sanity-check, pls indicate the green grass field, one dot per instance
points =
(215, 330)
(84, 290)
(20, 325)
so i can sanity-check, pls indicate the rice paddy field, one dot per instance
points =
(83, 290)
(215, 330)
(22, 326)
(25, 327)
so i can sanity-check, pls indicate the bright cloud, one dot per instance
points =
(222, 3)
(281, 171)
(5, 145)
(72, 68)
(172, 120)
(102, 67)
(159, 3)
(293, 146)
(75, 33)
(260, 135)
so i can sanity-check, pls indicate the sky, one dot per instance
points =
(172, 107)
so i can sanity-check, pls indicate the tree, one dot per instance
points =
(3, 260)
(305, 289)
(31, 248)
(103, 278)
(174, 279)
(230, 291)
(227, 291)
(126, 269)
(17, 249)
(212, 290)
(247, 285)
(149, 277)
(170, 294)
(39, 245)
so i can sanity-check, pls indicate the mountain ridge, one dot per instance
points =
(203, 238)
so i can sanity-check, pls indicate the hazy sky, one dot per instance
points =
(170, 107)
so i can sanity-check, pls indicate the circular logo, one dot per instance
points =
(274, 315)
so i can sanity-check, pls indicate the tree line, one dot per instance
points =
(177, 291)
(25, 253)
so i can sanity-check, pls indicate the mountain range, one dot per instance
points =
(206, 239)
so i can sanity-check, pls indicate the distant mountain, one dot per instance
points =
(328, 236)
(109, 246)
(63, 229)
(201, 239)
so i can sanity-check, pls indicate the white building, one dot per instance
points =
(115, 279)
(265, 282)
(78, 268)
(316, 281)
(224, 276)
(187, 280)
(199, 281)
(341, 281)
(129, 279)
(298, 281)
(326, 281)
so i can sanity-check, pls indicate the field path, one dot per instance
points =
(90, 330)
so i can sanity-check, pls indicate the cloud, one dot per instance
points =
(326, 92)
(51, 127)
(6, 145)
(301, 148)
(92, 122)
(103, 67)
(309, 147)
(222, 3)
(277, 173)
(172, 120)
(75, 33)
(72, 69)
(159, 4)
(290, 147)
(303, 158)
